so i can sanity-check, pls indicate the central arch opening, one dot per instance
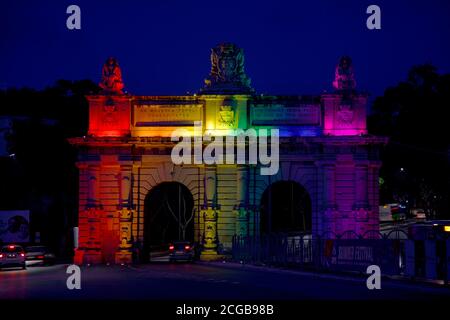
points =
(168, 217)
(285, 207)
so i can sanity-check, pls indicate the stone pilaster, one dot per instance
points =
(242, 215)
(92, 173)
(125, 186)
(89, 219)
(90, 237)
(124, 254)
(210, 234)
(361, 186)
(330, 211)
(210, 212)
(361, 209)
(241, 209)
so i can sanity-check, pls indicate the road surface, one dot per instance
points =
(201, 281)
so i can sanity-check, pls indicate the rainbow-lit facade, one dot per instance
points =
(324, 147)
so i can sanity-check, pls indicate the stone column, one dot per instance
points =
(92, 250)
(92, 174)
(361, 206)
(210, 211)
(124, 253)
(125, 186)
(361, 188)
(210, 182)
(331, 210)
(330, 185)
(373, 188)
(89, 219)
(241, 210)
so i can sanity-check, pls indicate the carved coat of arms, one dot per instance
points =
(226, 116)
(345, 115)
(227, 71)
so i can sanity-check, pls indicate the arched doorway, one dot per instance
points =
(168, 217)
(285, 207)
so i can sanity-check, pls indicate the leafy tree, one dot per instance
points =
(416, 160)
(41, 175)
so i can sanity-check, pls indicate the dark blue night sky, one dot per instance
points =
(163, 46)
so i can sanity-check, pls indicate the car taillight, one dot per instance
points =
(1, 256)
(187, 247)
(11, 247)
(22, 254)
(40, 257)
(171, 247)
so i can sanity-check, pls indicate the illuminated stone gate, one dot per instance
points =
(324, 148)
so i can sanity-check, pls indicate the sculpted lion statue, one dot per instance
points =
(111, 77)
(344, 76)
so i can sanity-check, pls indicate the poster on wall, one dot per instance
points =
(14, 226)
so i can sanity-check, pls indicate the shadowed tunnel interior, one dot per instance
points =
(285, 207)
(168, 216)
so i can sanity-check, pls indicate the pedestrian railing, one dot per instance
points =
(395, 253)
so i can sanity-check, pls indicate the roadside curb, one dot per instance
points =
(354, 277)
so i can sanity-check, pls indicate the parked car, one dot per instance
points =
(181, 251)
(12, 256)
(39, 255)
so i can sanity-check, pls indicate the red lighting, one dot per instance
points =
(1, 256)
(187, 247)
(22, 254)
(109, 116)
(40, 257)
(11, 247)
(171, 247)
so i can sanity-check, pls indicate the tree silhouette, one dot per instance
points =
(41, 176)
(412, 115)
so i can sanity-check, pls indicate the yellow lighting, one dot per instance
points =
(447, 228)
(209, 125)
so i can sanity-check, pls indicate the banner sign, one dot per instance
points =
(358, 254)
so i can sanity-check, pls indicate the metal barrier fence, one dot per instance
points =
(394, 253)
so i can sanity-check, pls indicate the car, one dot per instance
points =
(181, 251)
(420, 215)
(12, 255)
(39, 255)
